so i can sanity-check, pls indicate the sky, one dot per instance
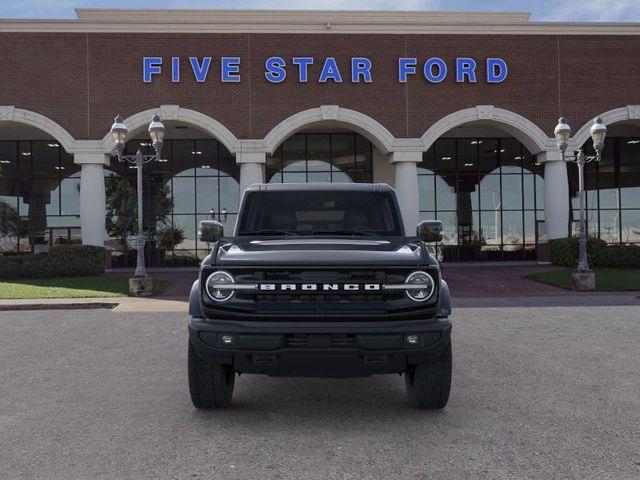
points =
(542, 10)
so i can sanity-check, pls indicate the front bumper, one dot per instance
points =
(319, 349)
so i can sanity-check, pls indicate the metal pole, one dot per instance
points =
(140, 268)
(583, 262)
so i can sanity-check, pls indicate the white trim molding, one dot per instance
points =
(373, 130)
(10, 113)
(179, 114)
(521, 128)
(629, 112)
(196, 21)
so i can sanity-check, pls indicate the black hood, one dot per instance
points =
(382, 251)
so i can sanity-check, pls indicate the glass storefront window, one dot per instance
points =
(489, 194)
(426, 185)
(630, 225)
(201, 179)
(321, 157)
(39, 195)
(512, 192)
(612, 191)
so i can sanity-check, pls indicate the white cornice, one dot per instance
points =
(295, 16)
(316, 22)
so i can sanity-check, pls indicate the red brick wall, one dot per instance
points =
(82, 80)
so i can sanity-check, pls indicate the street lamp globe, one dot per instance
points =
(156, 132)
(119, 133)
(598, 133)
(562, 133)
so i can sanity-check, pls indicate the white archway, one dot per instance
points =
(527, 132)
(10, 113)
(177, 113)
(629, 112)
(373, 130)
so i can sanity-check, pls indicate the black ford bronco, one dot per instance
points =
(319, 280)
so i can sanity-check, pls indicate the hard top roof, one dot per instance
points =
(308, 187)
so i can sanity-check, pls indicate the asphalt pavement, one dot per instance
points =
(538, 393)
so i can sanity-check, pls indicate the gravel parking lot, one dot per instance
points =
(538, 393)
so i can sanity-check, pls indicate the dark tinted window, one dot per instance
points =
(319, 213)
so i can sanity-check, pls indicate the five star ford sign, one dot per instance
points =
(305, 69)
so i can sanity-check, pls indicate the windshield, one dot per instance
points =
(300, 213)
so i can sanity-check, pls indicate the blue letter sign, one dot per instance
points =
(428, 70)
(406, 66)
(303, 66)
(434, 69)
(200, 71)
(496, 70)
(175, 69)
(330, 71)
(360, 67)
(230, 69)
(275, 69)
(151, 66)
(465, 67)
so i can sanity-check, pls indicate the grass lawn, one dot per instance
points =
(607, 279)
(71, 287)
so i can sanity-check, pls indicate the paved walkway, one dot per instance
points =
(497, 281)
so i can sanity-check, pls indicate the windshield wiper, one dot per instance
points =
(270, 232)
(345, 232)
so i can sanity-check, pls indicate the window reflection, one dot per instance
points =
(321, 157)
(39, 196)
(612, 191)
(488, 192)
(202, 180)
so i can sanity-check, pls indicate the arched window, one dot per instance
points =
(612, 188)
(488, 193)
(321, 157)
(201, 179)
(39, 195)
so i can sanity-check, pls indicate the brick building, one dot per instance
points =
(456, 110)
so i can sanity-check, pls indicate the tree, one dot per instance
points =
(169, 237)
(122, 209)
(9, 221)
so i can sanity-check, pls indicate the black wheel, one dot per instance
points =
(428, 384)
(210, 384)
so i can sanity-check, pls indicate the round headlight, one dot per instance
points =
(427, 286)
(215, 286)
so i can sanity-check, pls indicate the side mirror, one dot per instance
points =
(210, 231)
(430, 231)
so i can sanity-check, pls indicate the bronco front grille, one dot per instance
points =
(370, 300)
(318, 276)
(328, 298)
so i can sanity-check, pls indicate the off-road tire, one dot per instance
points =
(210, 384)
(428, 384)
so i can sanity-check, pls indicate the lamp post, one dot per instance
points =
(562, 133)
(119, 133)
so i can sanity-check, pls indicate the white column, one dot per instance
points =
(251, 168)
(556, 194)
(406, 185)
(92, 197)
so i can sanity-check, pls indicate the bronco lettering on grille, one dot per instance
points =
(314, 287)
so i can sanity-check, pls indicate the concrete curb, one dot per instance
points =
(57, 306)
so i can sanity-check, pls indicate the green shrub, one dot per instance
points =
(61, 261)
(181, 261)
(564, 251)
(618, 256)
(169, 237)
